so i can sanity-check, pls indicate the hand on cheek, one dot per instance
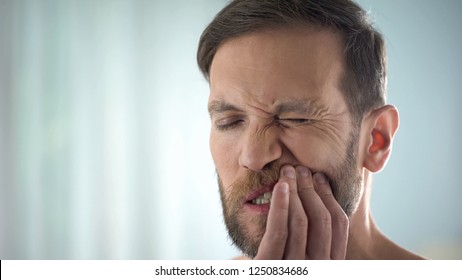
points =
(339, 220)
(304, 221)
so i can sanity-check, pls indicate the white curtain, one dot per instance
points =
(104, 132)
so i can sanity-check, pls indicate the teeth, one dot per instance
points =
(263, 199)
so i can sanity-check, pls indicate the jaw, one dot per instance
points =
(246, 228)
(252, 219)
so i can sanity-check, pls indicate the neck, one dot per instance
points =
(365, 240)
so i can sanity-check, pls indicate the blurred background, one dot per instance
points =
(104, 130)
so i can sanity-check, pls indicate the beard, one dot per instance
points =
(344, 179)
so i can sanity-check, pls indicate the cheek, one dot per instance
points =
(314, 152)
(224, 154)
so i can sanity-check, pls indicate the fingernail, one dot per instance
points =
(303, 171)
(289, 172)
(284, 187)
(319, 178)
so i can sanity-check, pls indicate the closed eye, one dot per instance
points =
(298, 121)
(228, 125)
(295, 121)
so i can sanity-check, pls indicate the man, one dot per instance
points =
(299, 124)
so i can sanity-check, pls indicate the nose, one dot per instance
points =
(259, 149)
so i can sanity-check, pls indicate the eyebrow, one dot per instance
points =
(302, 106)
(220, 106)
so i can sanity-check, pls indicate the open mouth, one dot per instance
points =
(261, 196)
(262, 199)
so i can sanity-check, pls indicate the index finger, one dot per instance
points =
(274, 240)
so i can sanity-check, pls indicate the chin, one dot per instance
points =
(246, 230)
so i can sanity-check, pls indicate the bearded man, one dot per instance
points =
(299, 124)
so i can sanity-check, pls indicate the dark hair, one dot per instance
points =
(364, 77)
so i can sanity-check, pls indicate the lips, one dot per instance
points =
(262, 196)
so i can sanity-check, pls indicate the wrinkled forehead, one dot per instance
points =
(272, 67)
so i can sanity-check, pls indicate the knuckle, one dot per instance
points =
(326, 220)
(279, 236)
(300, 221)
(341, 220)
(323, 221)
(325, 194)
(306, 190)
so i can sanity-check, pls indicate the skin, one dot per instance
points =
(256, 82)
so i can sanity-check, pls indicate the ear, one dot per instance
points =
(381, 126)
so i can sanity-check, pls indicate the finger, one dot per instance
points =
(340, 222)
(319, 221)
(298, 221)
(274, 240)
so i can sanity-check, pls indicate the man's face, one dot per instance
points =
(275, 99)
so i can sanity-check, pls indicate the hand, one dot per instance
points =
(304, 221)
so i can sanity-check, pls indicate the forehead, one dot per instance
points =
(267, 66)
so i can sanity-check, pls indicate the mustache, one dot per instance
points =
(252, 181)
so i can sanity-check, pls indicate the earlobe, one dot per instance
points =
(382, 125)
